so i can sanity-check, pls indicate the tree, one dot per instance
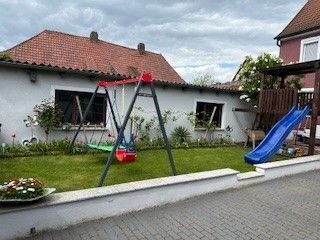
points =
(251, 77)
(48, 115)
(5, 56)
(204, 80)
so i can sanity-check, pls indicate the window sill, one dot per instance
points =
(87, 128)
(204, 129)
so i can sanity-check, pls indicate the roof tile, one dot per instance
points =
(307, 19)
(75, 52)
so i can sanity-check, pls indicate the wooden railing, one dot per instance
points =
(305, 98)
(277, 102)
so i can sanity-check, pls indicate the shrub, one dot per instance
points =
(5, 56)
(180, 135)
(47, 115)
(250, 76)
(52, 147)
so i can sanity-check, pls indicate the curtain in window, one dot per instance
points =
(310, 51)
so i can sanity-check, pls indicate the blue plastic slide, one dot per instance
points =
(276, 136)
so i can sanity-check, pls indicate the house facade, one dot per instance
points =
(33, 75)
(299, 41)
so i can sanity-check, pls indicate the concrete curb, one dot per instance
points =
(64, 209)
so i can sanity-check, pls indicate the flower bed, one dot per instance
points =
(21, 188)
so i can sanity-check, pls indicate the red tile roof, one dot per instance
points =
(76, 52)
(233, 85)
(307, 19)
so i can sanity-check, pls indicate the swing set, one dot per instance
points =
(122, 150)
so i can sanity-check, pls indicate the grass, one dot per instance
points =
(72, 172)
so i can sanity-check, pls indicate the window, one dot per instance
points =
(309, 49)
(206, 111)
(67, 103)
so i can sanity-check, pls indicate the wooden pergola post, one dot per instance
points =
(263, 77)
(315, 109)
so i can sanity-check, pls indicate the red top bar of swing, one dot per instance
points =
(144, 77)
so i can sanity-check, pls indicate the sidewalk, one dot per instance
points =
(286, 208)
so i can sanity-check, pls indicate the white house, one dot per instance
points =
(63, 67)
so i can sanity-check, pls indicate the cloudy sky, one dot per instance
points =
(196, 37)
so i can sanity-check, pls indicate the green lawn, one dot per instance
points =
(71, 172)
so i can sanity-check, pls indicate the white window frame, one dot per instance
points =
(223, 115)
(308, 41)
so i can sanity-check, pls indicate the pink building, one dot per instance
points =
(299, 41)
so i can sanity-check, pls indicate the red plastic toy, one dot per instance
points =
(123, 155)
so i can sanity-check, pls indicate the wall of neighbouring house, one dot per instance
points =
(18, 96)
(290, 53)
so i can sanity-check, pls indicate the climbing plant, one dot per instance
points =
(48, 115)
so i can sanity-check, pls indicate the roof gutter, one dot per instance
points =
(297, 34)
(105, 76)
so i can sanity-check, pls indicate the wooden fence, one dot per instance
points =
(277, 101)
(274, 103)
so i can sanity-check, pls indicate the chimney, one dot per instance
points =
(94, 36)
(141, 49)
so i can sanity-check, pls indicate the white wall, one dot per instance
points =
(18, 96)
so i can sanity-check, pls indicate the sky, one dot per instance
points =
(196, 37)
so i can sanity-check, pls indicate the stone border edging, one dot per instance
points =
(69, 208)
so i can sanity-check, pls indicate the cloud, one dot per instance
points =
(194, 36)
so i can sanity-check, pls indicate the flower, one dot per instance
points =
(21, 188)
(244, 96)
(110, 135)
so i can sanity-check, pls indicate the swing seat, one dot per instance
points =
(123, 155)
(105, 148)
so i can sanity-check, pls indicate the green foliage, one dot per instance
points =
(180, 136)
(251, 77)
(295, 82)
(5, 56)
(47, 115)
(204, 80)
(146, 127)
(42, 147)
(21, 188)
(195, 121)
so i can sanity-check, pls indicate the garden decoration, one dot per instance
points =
(31, 122)
(23, 190)
(228, 129)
